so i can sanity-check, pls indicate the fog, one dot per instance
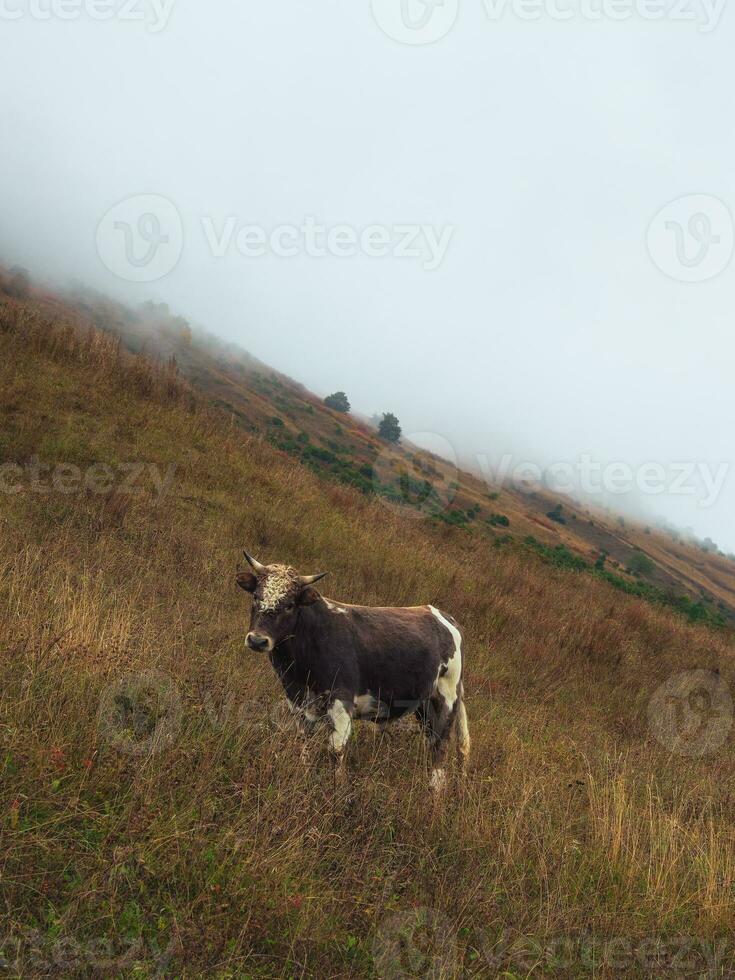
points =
(552, 308)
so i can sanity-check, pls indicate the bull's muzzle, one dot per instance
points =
(259, 641)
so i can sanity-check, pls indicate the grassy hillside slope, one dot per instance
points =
(340, 447)
(155, 817)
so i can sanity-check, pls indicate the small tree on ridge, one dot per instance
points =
(389, 428)
(338, 401)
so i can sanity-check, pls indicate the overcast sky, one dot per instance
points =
(519, 158)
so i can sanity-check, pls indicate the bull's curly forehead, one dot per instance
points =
(280, 582)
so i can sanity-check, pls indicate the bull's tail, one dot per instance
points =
(463, 734)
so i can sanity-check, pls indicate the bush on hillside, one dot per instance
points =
(389, 428)
(338, 401)
(640, 564)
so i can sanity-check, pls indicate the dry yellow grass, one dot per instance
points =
(155, 817)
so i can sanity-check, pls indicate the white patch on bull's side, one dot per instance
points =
(334, 608)
(341, 723)
(438, 780)
(368, 706)
(279, 581)
(447, 684)
(365, 704)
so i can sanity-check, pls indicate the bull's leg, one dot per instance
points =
(446, 701)
(304, 710)
(438, 719)
(339, 714)
(463, 736)
(424, 719)
(306, 722)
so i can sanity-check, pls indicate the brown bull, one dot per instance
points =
(343, 662)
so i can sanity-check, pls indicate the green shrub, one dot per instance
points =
(498, 520)
(337, 401)
(389, 428)
(640, 564)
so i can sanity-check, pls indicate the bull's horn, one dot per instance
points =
(310, 579)
(258, 568)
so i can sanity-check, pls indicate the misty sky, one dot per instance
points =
(542, 149)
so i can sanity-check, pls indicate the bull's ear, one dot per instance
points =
(308, 596)
(247, 581)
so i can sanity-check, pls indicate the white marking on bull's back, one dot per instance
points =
(334, 608)
(341, 723)
(448, 683)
